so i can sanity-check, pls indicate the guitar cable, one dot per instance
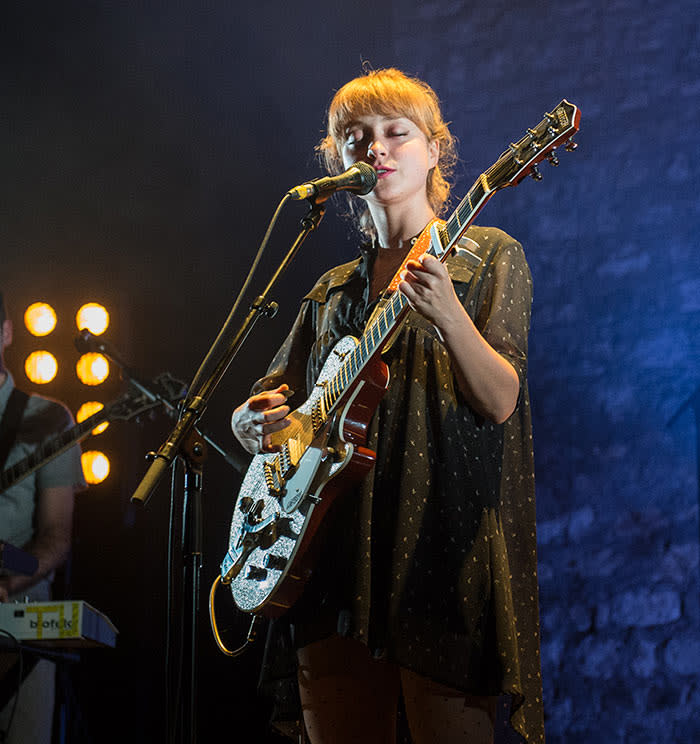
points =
(252, 631)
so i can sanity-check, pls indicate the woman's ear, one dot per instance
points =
(433, 153)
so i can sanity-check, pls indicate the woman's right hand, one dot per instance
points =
(261, 415)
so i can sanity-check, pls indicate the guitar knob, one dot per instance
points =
(275, 562)
(246, 504)
(284, 529)
(535, 173)
(553, 159)
(256, 573)
(570, 145)
(255, 513)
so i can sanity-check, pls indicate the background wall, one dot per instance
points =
(145, 148)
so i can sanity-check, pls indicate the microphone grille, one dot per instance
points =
(368, 177)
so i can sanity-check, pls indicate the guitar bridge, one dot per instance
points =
(318, 416)
(274, 479)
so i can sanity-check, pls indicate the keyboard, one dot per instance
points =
(63, 624)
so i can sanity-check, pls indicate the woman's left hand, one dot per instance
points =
(429, 290)
(488, 381)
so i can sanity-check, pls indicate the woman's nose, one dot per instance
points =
(376, 149)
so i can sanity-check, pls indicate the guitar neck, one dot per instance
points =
(51, 448)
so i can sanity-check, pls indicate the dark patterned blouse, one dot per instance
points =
(432, 561)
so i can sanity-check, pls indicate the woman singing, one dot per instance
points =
(426, 582)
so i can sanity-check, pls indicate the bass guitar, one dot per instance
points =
(284, 496)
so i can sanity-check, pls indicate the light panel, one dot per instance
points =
(95, 466)
(94, 317)
(41, 367)
(40, 319)
(92, 368)
(88, 409)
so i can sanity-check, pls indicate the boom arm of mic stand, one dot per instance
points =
(197, 399)
(237, 461)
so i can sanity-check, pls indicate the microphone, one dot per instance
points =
(360, 178)
(87, 341)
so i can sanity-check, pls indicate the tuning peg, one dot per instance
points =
(533, 134)
(553, 159)
(570, 145)
(535, 173)
(514, 150)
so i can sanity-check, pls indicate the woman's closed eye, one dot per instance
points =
(354, 138)
(357, 138)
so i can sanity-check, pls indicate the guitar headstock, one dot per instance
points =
(521, 158)
(134, 403)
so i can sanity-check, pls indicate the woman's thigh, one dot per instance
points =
(441, 715)
(347, 696)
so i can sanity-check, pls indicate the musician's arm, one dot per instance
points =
(485, 378)
(51, 541)
(265, 411)
(489, 361)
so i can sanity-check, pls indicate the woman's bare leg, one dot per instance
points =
(347, 696)
(441, 715)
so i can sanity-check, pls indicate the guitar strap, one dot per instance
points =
(9, 424)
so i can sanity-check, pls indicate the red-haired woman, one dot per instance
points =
(426, 585)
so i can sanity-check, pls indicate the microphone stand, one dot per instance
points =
(154, 394)
(180, 444)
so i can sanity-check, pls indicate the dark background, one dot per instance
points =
(145, 147)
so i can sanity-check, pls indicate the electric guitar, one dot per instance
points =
(284, 496)
(128, 406)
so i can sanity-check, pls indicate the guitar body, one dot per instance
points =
(285, 496)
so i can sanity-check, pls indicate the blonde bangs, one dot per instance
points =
(387, 93)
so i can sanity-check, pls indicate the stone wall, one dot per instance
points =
(612, 239)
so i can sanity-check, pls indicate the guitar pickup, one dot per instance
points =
(288, 458)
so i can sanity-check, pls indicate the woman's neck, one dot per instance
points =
(395, 228)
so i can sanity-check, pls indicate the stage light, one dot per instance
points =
(92, 368)
(87, 410)
(41, 367)
(95, 466)
(40, 319)
(94, 317)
